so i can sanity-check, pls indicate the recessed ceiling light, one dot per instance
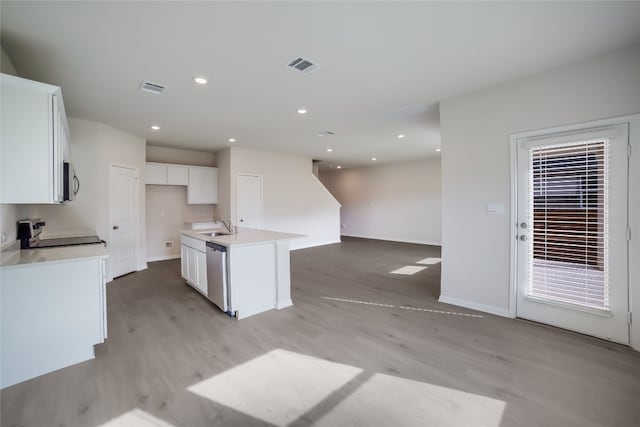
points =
(155, 127)
(302, 111)
(232, 140)
(374, 159)
(401, 135)
(438, 150)
(339, 167)
(200, 80)
(329, 150)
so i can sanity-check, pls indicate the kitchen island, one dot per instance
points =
(244, 273)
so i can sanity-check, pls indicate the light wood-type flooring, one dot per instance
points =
(360, 346)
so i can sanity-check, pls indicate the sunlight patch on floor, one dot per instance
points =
(277, 387)
(429, 261)
(408, 270)
(136, 418)
(386, 400)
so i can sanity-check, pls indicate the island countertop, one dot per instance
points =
(244, 236)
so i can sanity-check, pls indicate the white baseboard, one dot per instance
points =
(313, 245)
(110, 278)
(418, 242)
(284, 304)
(499, 311)
(162, 257)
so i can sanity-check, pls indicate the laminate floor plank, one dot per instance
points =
(173, 359)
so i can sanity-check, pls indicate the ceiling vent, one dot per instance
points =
(151, 87)
(303, 65)
(326, 133)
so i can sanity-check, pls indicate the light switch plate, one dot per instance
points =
(495, 209)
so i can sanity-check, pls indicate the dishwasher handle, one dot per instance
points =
(214, 247)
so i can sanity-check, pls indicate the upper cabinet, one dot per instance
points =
(201, 181)
(34, 141)
(155, 173)
(179, 175)
(166, 174)
(203, 185)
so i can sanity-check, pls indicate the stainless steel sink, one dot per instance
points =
(214, 233)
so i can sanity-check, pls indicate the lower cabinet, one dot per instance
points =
(194, 267)
(52, 314)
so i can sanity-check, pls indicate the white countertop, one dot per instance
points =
(13, 256)
(244, 236)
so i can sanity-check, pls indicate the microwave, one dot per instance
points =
(70, 183)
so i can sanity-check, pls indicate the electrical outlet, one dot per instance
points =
(168, 244)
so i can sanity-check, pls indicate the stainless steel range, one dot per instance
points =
(29, 235)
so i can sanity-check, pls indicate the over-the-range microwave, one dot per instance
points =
(70, 183)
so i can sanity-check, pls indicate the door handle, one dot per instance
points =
(241, 220)
(115, 227)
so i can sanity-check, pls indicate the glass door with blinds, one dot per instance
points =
(572, 256)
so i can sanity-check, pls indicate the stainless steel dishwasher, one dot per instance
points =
(217, 282)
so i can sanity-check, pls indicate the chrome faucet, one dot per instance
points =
(228, 225)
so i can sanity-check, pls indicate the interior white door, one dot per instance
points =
(124, 220)
(572, 222)
(249, 192)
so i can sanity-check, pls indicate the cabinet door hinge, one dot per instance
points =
(628, 234)
(629, 150)
(629, 317)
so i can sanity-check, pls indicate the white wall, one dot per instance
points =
(8, 213)
(223, 208)
(6, 65)
(167, 211)
(94, 146)
(294, 200)
(166, 205)
(476, 164)
(397, 201)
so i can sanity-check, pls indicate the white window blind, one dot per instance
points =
(568, 208)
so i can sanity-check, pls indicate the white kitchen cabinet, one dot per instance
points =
(184, 269)
(155, 173)
(34, 132)
(201, 271)
(165, 174)
(177, 175)
(203, 185)
(52, 315)
(194, 263)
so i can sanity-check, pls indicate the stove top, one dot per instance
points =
(65, 241)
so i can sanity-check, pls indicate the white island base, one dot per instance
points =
(260, 278)
(257, 268)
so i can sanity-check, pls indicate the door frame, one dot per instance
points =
(633, 213)
(261, 195)
(136, 244)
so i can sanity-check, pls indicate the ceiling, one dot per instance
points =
(383, 66)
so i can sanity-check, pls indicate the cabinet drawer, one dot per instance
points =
(196, 244)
